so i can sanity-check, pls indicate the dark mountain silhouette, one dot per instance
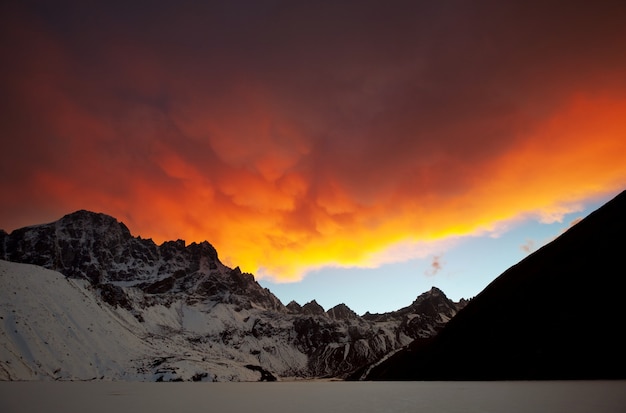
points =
(558, 314)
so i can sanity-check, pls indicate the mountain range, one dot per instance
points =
(84, 299)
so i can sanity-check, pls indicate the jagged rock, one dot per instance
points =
(424, 317)
(313, 308)
(160, 287)
(114, 295)
(265, 375)
(294, 308)
(341, 312)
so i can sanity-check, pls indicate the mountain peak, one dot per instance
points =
(435, 290)
(99, 223)
(341, 312)
(294, 307)
(313, 308)
(84, 214)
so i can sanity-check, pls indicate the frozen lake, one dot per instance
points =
(510, 397)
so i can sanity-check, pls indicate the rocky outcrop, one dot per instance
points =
(294, 308)
(341, 312)
(313, 308)
(424, 317)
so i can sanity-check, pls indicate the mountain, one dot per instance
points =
(83, 299)
(98, 248)
(558, 314)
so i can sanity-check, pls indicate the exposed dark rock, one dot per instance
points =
(342, 312)
(315, 332)
(3, 238)
(265, 375)
(294, 308)
(424, 317)
(115, 296)
(179, 274)
(161, 286)
(313, 308)
(199, 376)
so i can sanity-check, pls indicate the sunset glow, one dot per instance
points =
(335, 142)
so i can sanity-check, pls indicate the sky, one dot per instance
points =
(343, 151)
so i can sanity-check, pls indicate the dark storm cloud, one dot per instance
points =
(307, 120)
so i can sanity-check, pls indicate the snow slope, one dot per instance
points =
(52, 324)
(58, 328)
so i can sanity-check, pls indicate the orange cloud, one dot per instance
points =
(575, 153)
(365, 147)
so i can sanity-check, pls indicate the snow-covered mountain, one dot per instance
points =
(90, 301)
